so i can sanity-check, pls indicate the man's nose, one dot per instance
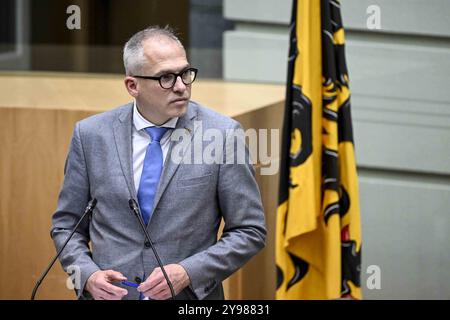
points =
(179, 85)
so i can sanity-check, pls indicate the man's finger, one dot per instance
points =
(156, 273)
(107, 296)
(100, 294)
(156, 290)
(149, 284)
(114, 275)
(112, 296)
(162, 295)
(153, 280)
(114, 290)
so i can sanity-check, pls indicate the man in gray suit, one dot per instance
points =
(114, 157)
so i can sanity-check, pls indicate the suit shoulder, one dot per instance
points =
(100, 120)
(211, 118)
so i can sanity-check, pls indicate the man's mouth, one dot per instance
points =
(180, 100)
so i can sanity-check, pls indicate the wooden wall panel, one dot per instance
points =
(258, 278)
(33, 148)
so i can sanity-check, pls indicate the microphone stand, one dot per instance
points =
(135, 209)
(87, 211)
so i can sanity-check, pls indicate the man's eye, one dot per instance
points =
(167, 77)
(186, 74)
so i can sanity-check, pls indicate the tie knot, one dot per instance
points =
(156, 132)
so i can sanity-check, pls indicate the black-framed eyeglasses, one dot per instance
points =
(167, 80)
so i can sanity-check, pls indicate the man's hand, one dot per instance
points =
(156, 287)
(100, 285)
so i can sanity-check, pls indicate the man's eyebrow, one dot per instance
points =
(164, 71)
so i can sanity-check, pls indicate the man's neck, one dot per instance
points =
(151, 118)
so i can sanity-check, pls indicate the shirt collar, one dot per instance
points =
(141, 123)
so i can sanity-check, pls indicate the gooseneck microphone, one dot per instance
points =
(134, 207)
(90, 207)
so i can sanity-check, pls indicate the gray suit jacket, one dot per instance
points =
(190, 201)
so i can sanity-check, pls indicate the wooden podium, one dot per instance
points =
(37, 116)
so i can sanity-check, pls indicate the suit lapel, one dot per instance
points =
(122, 136)
(170, 167)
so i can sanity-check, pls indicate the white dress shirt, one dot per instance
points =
(141, 139)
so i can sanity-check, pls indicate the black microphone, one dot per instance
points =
(90, 207)
(134, 207)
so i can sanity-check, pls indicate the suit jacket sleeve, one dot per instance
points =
(244, 230)
(73, 198)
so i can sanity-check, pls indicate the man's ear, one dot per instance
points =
(132, 86)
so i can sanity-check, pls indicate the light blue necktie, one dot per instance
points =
(151, 172)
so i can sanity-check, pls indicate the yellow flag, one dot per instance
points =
(318, 236)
